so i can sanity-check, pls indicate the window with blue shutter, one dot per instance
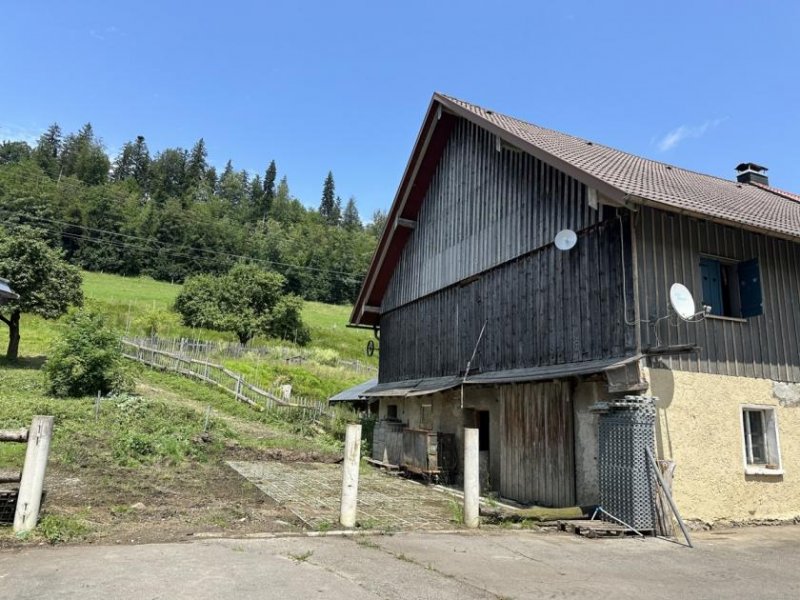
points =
(712, 285)
(750, 288)
(731, 289)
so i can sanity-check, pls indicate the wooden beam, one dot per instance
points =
(14, 435)
(407, 223)
(10, 476)
(372, 309)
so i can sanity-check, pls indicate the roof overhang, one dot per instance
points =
(424, 387)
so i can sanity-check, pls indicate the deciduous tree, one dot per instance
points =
(47, 285)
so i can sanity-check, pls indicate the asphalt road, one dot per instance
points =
(745, 563)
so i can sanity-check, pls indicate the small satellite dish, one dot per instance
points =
(566, 239)
(681, 300)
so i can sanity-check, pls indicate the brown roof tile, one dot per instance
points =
(754, 206)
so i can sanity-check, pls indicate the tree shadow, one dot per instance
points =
(33, 363)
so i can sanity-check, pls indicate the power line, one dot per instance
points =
(171, 250)
(168, 245)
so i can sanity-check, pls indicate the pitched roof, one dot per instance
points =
(620, 177)
(756, 206)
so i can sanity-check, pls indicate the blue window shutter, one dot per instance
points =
(712, 284)
(750, 288)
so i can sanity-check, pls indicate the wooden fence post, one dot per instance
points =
(30, 488)
(352, 451)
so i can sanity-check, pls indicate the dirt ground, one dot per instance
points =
(109, 504)
(174, 505)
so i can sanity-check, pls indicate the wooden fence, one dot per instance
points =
(203, 349)
(217, 375)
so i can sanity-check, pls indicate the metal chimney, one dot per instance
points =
(751, 173)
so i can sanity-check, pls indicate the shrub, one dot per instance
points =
(156, 321)
(86, 359)
(247, 301)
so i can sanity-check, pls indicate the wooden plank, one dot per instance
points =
(13, 435)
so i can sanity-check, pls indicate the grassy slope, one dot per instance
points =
(125, 298)
(120, 455)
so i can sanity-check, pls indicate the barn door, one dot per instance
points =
(537, 451)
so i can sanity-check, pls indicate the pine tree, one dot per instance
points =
(327, 205)
(350, 219)
(141, 163)
(123, 164)
(256, 196)
(269, 189)
(83, 156)
(48, 150)
(336, 213)
(197, 165)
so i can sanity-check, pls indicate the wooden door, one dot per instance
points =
(537, 447)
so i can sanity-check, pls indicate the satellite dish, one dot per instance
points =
(566, 239)
(681, 300)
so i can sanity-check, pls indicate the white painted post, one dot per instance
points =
(471, 478)
(30, 486)
(352, 457)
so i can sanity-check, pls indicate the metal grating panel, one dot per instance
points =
(627, 488)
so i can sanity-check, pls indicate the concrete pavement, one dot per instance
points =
(744, 563)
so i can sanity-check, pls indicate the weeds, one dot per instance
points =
(366, 541)
(324, 525)
(302, 557)
(456, 512)
(57, 529)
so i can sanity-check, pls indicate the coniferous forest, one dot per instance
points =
(169, 214)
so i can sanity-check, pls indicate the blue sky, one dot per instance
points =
(318, 86)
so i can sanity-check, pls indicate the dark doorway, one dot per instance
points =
(483, 430)
(483, 450)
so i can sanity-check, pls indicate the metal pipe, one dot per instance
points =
(669, 497)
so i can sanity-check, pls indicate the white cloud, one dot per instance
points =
(16, 133)
(677, 135)
(106, 32)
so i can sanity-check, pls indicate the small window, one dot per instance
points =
(762, 454)
(426, 417)
(391, 411)
(731, 289)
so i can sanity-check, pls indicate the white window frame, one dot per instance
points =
(773, 442)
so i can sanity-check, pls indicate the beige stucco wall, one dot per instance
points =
(699, 427)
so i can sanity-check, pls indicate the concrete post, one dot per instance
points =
(30, 486)
(471, 478)
(352, 457)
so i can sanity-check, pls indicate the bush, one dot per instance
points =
(156, 321)
(247, 301)
(86, 359)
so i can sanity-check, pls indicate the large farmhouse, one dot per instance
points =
(483, 320)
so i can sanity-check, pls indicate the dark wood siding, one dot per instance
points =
(483, 207)
(537, 459)
(669, 250)
(544, 308)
